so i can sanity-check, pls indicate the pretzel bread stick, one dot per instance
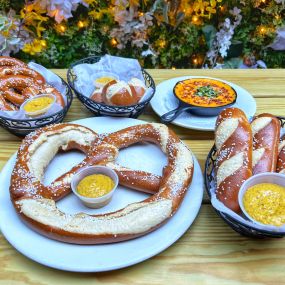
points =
(233, 140)
(266, 132)
(281, 156)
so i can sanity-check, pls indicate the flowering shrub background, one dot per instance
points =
(161, 33)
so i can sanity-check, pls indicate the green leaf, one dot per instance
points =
(179, 18)
(232, 63)
(210, 34)
(165, 13)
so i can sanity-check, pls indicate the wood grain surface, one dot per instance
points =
(210, 252)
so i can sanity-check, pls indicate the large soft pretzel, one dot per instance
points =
(266, 132)
(35, 203)
(233, 140)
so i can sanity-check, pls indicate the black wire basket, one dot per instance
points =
(241, 228)
(23, 127)
(100, 109)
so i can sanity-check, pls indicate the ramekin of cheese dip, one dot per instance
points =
(262, 199)
(38, 105)
(95, 185)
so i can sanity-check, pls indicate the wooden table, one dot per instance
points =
(210, 252)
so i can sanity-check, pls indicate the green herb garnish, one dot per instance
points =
(206, 91)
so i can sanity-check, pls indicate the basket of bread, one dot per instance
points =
(111, 86)
(245, 173)
(30, 96)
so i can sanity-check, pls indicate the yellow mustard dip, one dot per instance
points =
(95, 185)
(38, 104)
(104, 79)
(265, 203)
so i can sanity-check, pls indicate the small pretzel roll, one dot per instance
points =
(10, 61)
(106, 86)
(138, 88)
(97, 95)
(266, 133)
(119, 94)
(233, 140)
(281, 156)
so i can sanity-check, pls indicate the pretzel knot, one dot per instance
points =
(35, 202)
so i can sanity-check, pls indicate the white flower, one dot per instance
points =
(132, 27)
(279, 42)
(147, 52)
(224, 36)
(14, 36)
(60, 9)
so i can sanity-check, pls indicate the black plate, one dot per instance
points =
(100, 109)
(238, 226)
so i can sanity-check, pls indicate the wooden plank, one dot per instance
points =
(209, 253)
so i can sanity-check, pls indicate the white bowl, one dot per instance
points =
(268, 177)
(101, 201)
(39, 112)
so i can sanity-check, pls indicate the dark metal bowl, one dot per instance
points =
(241, 228)
(23, 127)
(99, 109)
(196, 110)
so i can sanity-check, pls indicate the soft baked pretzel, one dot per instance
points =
(35, 203)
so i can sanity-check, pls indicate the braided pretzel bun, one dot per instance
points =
(233, 141)
(281, 156)
(266, 132)
(35, 203)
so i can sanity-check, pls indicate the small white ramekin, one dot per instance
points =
(98, 202)
(268, 177)
(39, 112)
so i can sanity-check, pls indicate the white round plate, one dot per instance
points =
(96, 258)
(164, 101)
